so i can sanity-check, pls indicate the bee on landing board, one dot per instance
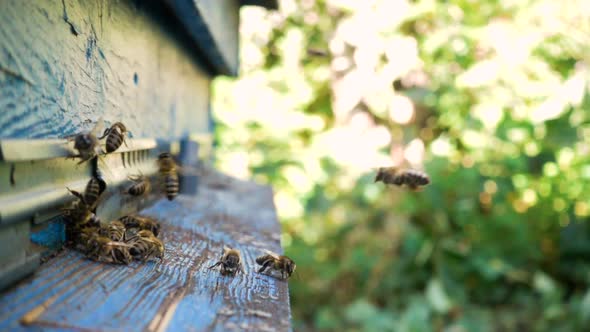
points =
(272, 262)
(412, 178)
(145, 245)
(87, 144)
(82, 237)
(115, 231)
(135, 223)
(169, 175)
(103, 249)
(230, 262)
(78, 215)
(115, 135)
(141, 186)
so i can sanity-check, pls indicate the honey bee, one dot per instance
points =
(145, 246)
(81, 237)
(115, 135)
(399, 177)
(169, 174)
(273, 262)
(141, 223)
(103, 249)
(91, 193)
(87, 144)
(115, 231)
(79, 215)
(166, 163)
(141, 186)
(230, 262)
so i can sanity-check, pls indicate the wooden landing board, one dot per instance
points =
(72, 293)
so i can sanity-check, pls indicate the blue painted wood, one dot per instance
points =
(70, 292)
(51, 235)
(66, 63)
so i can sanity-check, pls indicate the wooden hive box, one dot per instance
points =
(66, 66)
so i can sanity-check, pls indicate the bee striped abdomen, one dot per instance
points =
(116, 136)
(114, 141)
(139, 188)
(116, 231)
(415, 178)
(92, 192)
(145, 245)
(171, 185)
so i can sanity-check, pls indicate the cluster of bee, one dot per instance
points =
(132, 237)
(88, 146)
(230, 263)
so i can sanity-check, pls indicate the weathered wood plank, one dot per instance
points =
(66, 63)
(180, 293)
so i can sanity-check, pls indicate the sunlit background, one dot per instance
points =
(491, 98)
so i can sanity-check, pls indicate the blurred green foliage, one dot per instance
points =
(491, 98)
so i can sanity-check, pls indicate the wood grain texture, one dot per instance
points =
(178, 294)
(66, 63)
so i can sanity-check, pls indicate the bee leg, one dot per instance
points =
(83, 160)
(106, 132)
(215, 265)
(265, 265)
(75, 193)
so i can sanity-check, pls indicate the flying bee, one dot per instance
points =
(140, 223)
(166, 163)
(115, 135)
(399, 177)
(273, 262)
(169, 174)
(87, 144)
(145, 246)
(141, 185)
(230, 262)
(94, 189)
(103, 249)
(115, 231)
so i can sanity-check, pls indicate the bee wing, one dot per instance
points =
(273, 254)
(98, 126)
(189, 170)
(118, 244)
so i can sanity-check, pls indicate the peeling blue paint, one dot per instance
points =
(52, 235)
(48, 76)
